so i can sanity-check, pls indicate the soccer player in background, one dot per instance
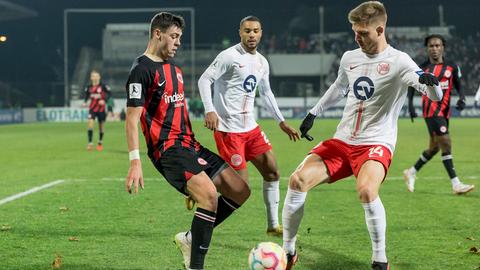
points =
(437, 114)
(236, 74)
(156, 98)
(374, 79)
(476, 102)
(98, 93)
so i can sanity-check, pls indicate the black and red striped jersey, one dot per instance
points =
(448, 75)
(96, 93)
(158, 88)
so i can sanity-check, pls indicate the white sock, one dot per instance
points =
(292, 216)
(455, 181)
(376, 225)
(412, 170)
(271, 197)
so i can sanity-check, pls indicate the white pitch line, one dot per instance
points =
(30, 191)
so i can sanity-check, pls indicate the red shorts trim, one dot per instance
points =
(343, 160)
(238, 148)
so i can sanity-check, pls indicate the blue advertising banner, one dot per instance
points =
(10, 116)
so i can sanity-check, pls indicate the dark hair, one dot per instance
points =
(434, 36)
(250, 18)
(164, 20)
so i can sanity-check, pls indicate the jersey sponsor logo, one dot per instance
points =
(383, 68)
(447, 73)
(236, 160)
(180, 77)
(250, 83)
(135, 90)
(173, 98)
(444, 85)
(363, 88)
(202, 161)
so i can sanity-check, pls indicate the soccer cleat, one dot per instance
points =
(277, 231)
(99, 147)
(185, 246)
(291, 260)
(380, 266)
(409, 179)
(89, 146)
(189, 202)
(462, 188)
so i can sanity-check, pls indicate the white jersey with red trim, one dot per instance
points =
(236, 75)
(376, 88)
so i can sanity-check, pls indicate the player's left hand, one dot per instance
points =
(306, 125)
(460, 104)
(291, 132)
(428, 79)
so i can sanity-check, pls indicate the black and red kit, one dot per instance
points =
(96, 93)
(158, 88)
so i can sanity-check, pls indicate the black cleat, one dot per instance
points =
(291, 260)
(380, 266)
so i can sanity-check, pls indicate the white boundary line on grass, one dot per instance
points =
(30, 191)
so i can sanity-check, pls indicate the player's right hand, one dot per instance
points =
(306, 125)
(428, 79)
(134, 176)
(413, 113)
(211, 120)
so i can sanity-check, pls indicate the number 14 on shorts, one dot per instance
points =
(375, 151)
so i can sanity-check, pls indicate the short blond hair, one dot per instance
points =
(368, 12)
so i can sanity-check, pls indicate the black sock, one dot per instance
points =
(90, 135)
(224, 209)
(100, 137)
(202, 228)
(448, 163)
(424, 158)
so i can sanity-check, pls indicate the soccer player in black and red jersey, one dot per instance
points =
(437, 114)
(98, 93)
(156, 98)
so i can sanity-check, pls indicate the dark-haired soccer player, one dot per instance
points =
(98, 93)
(437, 114)
(236, 74)
(156, 98)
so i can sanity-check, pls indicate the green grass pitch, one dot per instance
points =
(428, 229)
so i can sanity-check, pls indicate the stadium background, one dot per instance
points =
(303, 40)
(92, 223)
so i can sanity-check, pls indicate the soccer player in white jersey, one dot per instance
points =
(374, 79)
(236, 74)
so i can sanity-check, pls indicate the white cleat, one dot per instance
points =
(185, 246)
(409, 179)
(462, 188)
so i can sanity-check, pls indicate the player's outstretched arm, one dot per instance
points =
(291, 132)
(135, 174)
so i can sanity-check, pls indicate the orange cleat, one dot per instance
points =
(99, 147)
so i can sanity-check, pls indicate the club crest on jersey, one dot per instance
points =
(447, 73)
(250, 83)
(363, 88)
(180, 77)
(383, 68)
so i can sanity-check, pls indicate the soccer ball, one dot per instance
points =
(267, 256)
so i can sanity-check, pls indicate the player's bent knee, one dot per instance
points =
(366, 193)
(273, 176)
(297, 182)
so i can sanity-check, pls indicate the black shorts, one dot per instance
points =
(437, 126)
(179, 164)
(101, 116)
